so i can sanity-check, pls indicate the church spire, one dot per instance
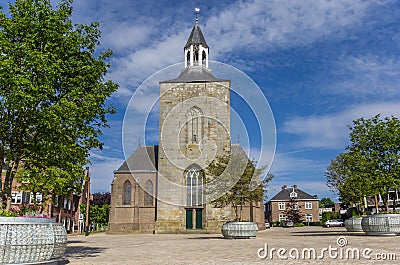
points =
(196, 48)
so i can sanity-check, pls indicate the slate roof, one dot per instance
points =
(284, 195)
(144, 159)
(196, 37)
(194, 74)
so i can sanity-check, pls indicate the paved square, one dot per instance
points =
(214, 249)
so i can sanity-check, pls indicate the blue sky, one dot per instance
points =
(320, 64)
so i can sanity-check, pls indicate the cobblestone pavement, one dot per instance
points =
(214, 249)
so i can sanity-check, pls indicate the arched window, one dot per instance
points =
(188, 58)
(194, 187)
(148, 195)
(195, 125)
(204, 57)
(127, 193)
(196, 55)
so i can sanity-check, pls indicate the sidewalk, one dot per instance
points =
(214, 249)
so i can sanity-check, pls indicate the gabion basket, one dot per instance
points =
(353, 224)
(239, 230)
(381, 224)
(31, 240)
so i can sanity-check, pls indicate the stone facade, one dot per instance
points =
(194, 128)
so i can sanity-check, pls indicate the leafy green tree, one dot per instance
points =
(377, 141)
(237, 181)
(346, 177)
(52, 95)
(326, 202)
(97, 214)
(372, 164)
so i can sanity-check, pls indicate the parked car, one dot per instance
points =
(288, 223)
(334, 222)
(267, 225)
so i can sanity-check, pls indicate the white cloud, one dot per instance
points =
(257, 25)
(330, 131)
(101, 171)
(285, 23)
(287, 164)
(366, 76)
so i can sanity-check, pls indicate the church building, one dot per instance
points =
(160, 189)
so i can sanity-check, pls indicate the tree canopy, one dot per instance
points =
(238, 182)
(372, 164)
(53, 95)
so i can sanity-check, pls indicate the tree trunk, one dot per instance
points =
(376, 204)
(251, 211)
(10, 173)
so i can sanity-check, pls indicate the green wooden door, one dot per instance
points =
(189, 219)
(199, 219)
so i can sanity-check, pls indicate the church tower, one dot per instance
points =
(194, 128)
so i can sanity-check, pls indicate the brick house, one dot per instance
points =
(275, 208)
(65, 208)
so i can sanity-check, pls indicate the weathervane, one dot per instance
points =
(197, 11)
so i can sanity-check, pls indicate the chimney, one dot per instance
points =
(284, 187)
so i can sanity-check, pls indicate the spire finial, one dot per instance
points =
(197, 11)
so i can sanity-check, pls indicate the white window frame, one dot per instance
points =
(16, 197)
(281, 206)
(308, 206)
(282, 217)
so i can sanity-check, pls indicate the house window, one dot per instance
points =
(127, 193)
(282, 217)
(148, 199)
(308, 206)
(56, 198)
(194, 187)
(281, 206)
(39, 198)
(16, 197)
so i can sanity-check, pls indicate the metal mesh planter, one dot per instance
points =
(353, 224)
(239, 230)
(381, 224)
(31, 240)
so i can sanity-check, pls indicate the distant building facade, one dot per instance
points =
(65, 209)
(276, 207)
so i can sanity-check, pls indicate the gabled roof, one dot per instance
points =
(196, 37)
(198, 73)
(284, 195)
(144, 159)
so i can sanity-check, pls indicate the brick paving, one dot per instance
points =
(178, 249)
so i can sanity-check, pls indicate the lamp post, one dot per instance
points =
(87, 201)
